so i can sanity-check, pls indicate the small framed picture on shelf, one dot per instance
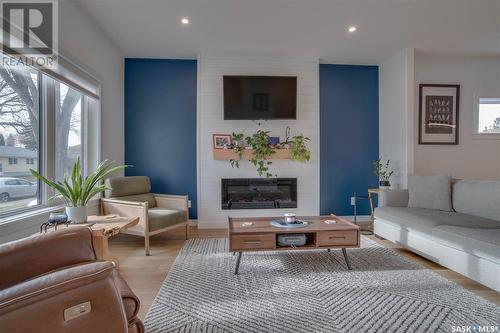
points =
(274, 141)
(221, 141)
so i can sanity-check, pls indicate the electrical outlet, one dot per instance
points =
(189, 203)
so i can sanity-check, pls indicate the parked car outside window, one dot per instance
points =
(12, 188)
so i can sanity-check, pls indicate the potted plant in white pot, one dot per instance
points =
(383, 172)
(78, 190)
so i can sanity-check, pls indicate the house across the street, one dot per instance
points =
(17, 161)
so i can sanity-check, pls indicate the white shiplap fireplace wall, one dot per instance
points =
(211, 69)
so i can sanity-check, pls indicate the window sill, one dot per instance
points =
(34, 213)
(30, 214)
(28, 223)
(490, 136)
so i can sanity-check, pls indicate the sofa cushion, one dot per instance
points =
(424, 220)
(161, 218)
(149, 197)
(480, 198)
(484, 243)
(430, 192)
(124, 186)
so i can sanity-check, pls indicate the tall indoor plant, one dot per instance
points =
(78, 190)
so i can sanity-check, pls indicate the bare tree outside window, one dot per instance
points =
(68, 129)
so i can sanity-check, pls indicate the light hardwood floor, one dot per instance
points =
(146, 274)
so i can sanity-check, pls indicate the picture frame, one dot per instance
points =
(274, 141)
(438, 118)
(221, 141)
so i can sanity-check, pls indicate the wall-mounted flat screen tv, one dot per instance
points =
(260, 97)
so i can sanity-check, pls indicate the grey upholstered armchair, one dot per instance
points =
(130, 196)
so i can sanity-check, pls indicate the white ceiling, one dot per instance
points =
(308, 28)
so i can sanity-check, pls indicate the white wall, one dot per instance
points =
(83, 42)
(211, 69)
(395, 110)
(473, 158)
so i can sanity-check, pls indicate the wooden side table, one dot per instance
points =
(371, 192)
(107, 226)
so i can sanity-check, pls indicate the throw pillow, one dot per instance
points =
(430, 192)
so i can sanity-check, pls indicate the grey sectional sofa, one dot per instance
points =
(466, 240)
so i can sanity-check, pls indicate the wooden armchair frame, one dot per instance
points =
(140, 209)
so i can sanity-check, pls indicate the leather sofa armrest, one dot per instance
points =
(30, 257)
(136, 326)
(130, 301)
(393, 198)
(40, 303)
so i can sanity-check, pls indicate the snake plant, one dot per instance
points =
(78, 190)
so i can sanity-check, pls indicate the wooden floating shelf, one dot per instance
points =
(229, 154)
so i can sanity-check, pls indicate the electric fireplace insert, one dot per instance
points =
(259, 193)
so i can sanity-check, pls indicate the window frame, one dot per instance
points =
(476, 134)
(46, 148)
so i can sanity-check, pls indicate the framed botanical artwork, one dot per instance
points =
(221, 141)
(438, 114)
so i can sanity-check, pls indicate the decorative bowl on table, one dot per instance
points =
(284, 224)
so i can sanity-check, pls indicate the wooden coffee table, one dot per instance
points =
(257, 234)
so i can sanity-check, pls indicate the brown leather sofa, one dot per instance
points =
(53, 283)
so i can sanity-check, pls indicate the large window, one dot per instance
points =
(19, 136)
(488, 115)
(41, 128)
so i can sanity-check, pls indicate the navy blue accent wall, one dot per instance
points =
(160, 124)
(348, 136)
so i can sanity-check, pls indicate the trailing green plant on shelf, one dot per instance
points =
(238, 145)
(263, 151)
(299, 151)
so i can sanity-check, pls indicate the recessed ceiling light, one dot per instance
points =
(352, 28)
(184, 20)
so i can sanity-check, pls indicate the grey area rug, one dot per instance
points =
(310, 291)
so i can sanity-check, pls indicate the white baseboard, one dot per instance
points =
(359, 218)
